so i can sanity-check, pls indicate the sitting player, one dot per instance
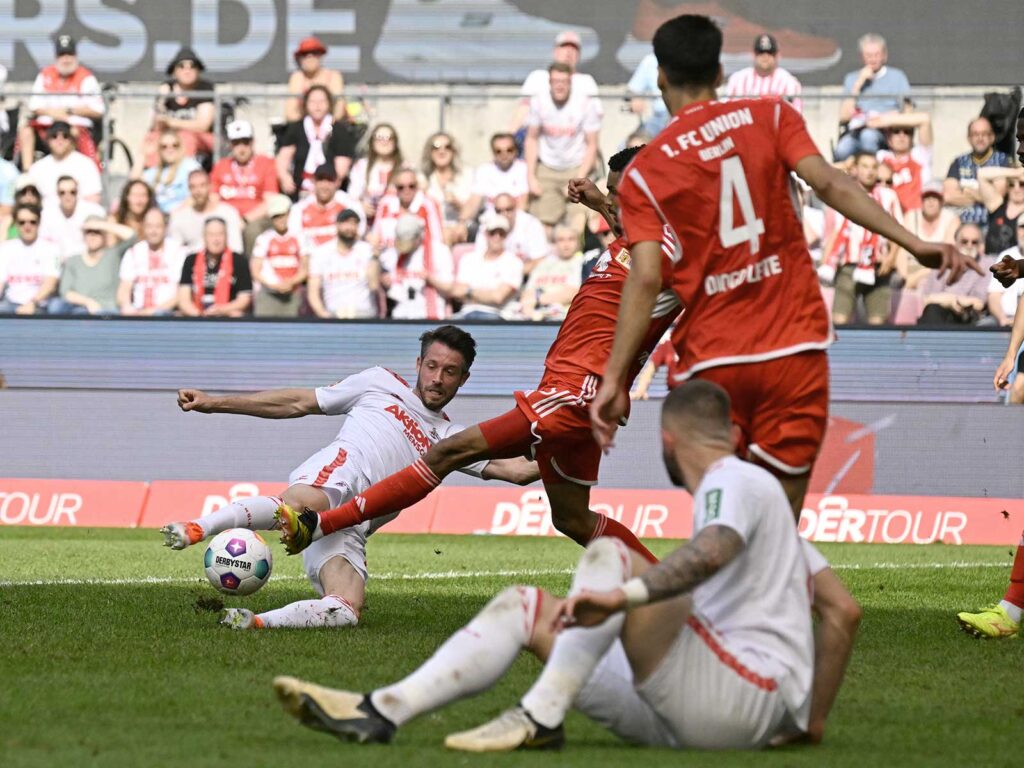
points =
(644, 652)
(389, 425)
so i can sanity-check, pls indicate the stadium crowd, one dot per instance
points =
(342, 223)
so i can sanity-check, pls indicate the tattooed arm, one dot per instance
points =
(693, 563)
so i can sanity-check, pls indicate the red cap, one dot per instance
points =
(310, 45)
(602, 226)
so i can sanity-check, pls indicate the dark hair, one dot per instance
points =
(31, 208)
(502, 135)
(325, 92)
(65, 177)
(371, 154)
(215, 220)
(622, 158)
(559, 66)
(688, 48)
(452, 337)
(863, 153)
(122, 204)
(701, 400)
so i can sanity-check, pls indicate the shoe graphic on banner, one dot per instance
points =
(469, 40)
(801, 52)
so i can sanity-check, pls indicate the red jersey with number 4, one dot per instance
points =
(584, 342)
(717, 180)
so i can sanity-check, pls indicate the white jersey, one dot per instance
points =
(346, 291)
(563, 130)
(748, 82)
(154, 275)
(45, 172)
(489, 181)
(539, 81)
(24, 268)
(526, 240)
(760, 603)
(388, 426)
(66, 231)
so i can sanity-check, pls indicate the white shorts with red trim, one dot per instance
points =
(710, 699)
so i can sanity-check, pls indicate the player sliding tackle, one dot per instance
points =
(551, 422)
(388, 425)
(712, 648)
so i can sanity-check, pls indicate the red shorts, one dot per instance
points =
(551, 425)
(781, 408)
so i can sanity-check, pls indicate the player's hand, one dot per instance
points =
(606, 413)
(194, 400)
(1006, 271)
(639, 394)
(585, 192)
(588, 609)
(1002, 378)
(946, 259)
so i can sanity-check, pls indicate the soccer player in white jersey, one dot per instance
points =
(388, 426)
(712, 648)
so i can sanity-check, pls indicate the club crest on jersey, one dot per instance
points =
(623, 257)
(413, 433)
(712, 504)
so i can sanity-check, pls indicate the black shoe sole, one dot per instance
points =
(362, 731)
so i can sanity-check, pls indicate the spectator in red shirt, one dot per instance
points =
(314, 218)
(245, 181)
(278, 265)
(406, 198)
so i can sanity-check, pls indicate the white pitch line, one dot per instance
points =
(447, 575)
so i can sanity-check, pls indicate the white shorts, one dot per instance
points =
(709, 699)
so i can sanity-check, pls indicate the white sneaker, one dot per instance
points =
(239, 618)
(512, 729)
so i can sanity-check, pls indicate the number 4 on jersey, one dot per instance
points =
(734, 185)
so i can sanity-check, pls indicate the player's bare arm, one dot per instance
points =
(638, 297)
(1001, 380)
(586, 193)
(841, 192)
(519, 471)
(271, 404)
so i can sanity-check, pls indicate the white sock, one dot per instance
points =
(254, 512)
(470, 661)
(1013, 611)
(328, 611)
(576, 652)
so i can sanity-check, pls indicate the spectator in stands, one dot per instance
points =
(168, 178)
(25, 193)
(526, 239)
(151, 270)
(407, 198)
(961, 185)
(8, 177)
(561, 143)
(344, 275)
(279, 264)
(963, 302)
(62, 224)
(64, 92)
(309, 57)
(29, 269)
(766, 77)
(488, 279)
(65, 160)
(646, 101)
(908, 162)
(89, 282)
(314, 218)
(932, 222)
(418, 274)
(567, 52)
(136, 198)
(861, 262)
(215, 281)
(185, 105)
(445, 183)
(1003, 302)
(245, 181)
(188, 219)
(505, 174)
(1003, 212)
(368, 180)
(312, 140)
(875, 89)
(553, 283)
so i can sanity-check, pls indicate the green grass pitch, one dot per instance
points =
(119, 666)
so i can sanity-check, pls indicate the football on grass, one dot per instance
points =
(237, 562)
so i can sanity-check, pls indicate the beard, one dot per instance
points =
(672, 467)
(348, 240)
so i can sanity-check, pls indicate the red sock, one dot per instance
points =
(1015, 592)
(393, 493)
(607, 526)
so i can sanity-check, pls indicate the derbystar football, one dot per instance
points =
(237, 562)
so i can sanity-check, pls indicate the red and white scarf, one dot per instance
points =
(225, 273)
(316, 135)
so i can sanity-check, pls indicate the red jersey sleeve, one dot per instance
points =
(662, 354)
(792, 140)
(638, 209)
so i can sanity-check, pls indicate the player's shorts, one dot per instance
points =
(781, 408)
(709, 699)
(552, 425)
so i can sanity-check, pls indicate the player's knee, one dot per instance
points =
(509, 600)
(576, 526)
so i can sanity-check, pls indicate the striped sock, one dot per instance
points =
(607, 526)
(392, 494)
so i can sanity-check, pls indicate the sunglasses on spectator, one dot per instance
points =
(1015, 183)
(235, 142)
(60, 135)
(908, 131)
(405, 186)
(170, 146)
(65, 192)
(383, 137)
(94, 232)
(439, 145)
(27, 222)
(505, 210)
(504, 150)
(186, 65)
(497, 233)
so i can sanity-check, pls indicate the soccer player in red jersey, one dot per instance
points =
(550, 422)
(717, 182)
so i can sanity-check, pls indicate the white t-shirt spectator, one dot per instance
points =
(23, 268)
(45, 172)
(539, 81)
(484, 273)
(154, 275)
(346, 292)
(556, 272)
(186, 226)
(748, 82)
(526, 240)
(413, 299)
(563, 129)
(489, 181)
(65, 232)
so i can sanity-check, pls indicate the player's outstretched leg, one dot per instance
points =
(1002, 619)
(573, 517)
(255, 513)
(470, 661)
(328, 611)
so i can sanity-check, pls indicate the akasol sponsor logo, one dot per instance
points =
(836, 521)
(245, 565)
